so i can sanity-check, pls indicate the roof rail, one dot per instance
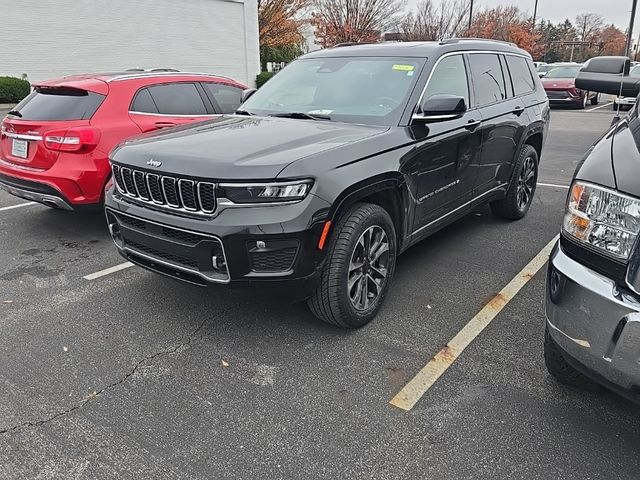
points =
(472, 39)
(143, 70)
(162, 73)
(350, 44)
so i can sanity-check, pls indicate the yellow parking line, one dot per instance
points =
(432, 371)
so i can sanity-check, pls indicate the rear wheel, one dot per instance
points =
(585, 100)
(358, 269)
(558, 367)
(595, 99)
(519, 196)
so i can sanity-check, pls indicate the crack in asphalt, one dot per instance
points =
(96, 393)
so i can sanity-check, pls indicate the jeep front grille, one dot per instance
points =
(164, 190)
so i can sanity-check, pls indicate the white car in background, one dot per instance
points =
(627, 103)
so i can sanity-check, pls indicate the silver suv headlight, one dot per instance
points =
(272, 192)
(602, 218)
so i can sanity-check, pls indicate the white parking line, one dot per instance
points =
(2, 209)
(108, 271)
(554, 185)
(599, 107)
(424, 380)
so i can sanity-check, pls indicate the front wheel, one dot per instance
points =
(560, 369)
(358, 269)
(519, 196)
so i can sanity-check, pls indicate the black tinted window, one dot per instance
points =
(178, 99)
(144, 103)
(228, 98)
(520, 75)
(59, 104)
(449, 78)
(488, 81)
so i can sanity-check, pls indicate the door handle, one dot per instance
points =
(164, 124)
(518, 110)
(472, 125)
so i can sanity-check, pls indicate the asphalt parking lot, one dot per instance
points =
(132, 375)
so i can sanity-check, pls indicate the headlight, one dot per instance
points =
(267, 192)
(604, 219)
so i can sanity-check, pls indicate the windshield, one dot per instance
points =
(368, 90)
(564, 72)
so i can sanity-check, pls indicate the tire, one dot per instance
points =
(333, 301)
(558, 367)
(583, 104)
(596, 99)
(514, 205)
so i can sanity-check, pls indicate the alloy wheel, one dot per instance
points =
(368, 268)
(526, 182)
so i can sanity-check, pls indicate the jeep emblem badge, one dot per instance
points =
(154, 163)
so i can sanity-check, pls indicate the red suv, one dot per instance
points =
(54, 145)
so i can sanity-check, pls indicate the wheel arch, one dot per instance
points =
(388, 191)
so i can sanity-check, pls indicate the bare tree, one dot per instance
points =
(339, 21)
(431, 22)
(588, 26)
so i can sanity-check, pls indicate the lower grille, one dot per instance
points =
(168, 250)
(171, 257)
(273, 261)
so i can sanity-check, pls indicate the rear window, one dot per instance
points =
(59, 104)
(520, 75)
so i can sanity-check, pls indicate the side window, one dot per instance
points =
(449, 78)
(178, 99)
(488, 80)
(520, 74)
(143, 102)
(227, 97)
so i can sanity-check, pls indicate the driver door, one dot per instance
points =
(445, 163)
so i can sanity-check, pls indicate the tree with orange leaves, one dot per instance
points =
(341, 21)
(278, 24)
(504, 23)
(614, 41)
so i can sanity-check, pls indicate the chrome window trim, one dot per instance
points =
(463, 52)
(176, 115)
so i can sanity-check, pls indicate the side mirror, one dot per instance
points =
(246, 94)
(542, 74)
(440, 107)
(608, 75)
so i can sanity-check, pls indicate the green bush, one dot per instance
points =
(12, 89)
(262, 78)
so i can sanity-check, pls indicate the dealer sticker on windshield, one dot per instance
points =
(403, 68)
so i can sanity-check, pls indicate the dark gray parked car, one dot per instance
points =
(593, 282)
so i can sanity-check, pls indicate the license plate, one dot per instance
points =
(20, 148)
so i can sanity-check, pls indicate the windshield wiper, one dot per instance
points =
(16, 113)
(301, 115)
(244, 112)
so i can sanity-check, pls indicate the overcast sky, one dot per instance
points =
(614, 11)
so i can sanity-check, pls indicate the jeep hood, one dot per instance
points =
(237, 147)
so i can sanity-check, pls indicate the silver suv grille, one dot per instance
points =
(171, 192)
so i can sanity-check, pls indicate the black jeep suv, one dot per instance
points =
(343, 160)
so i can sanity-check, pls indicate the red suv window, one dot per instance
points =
(59, 104)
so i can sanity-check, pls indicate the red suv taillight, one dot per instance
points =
(76, 139)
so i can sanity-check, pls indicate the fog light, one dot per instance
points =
(261, 245)
(114, 230)
(218, 262)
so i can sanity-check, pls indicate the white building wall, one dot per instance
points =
(52, 38)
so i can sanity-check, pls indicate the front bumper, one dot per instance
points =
(624, 101)
(274, 245)
(595, 323)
